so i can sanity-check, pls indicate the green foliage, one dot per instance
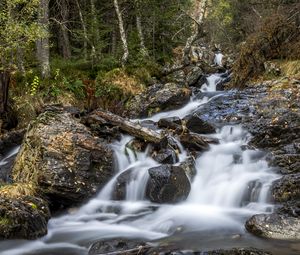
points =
(34, 85)
(19, 29)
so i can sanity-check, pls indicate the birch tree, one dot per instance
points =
(42, 44)
(198, 29)
(122, 33)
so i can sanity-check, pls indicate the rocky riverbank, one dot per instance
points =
(66, 158)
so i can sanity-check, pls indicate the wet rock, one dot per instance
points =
(63, 159)
(11, 139)
(189, 167)
(238, 251)
(119, 246)
(195, 76)
(195, 124)
(5, 169)
(275, 226)
(169, 142)
(194, 142)
(167, 184)
(23, 217)
(119, 192)
(287, 188)
(170, 123)
(166, 156)
(157, 98)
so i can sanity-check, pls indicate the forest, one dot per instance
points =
(149, 127)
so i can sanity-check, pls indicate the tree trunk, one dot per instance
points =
(198, 30)
(85, 34)
(144, 50)
(122, 33)
(64, 39)
(4, 83)
(43, 43)
(127, 126)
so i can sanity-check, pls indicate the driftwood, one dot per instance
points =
(190, 140)
(127, 126)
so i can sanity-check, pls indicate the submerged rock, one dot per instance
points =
(275, 226)
(157, 98)
(23, 217)
(62, 159)
(167, 184)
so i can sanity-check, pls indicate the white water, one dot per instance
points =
(218, 59)
(10, 154)
(221, 197)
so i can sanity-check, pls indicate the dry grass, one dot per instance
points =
(17, 190)
(129, 85)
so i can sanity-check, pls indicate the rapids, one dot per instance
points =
(232, 183)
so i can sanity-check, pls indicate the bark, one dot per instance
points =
(4, 83)
(85, 34)
(127, 126)
(105, 118)
(64, 40)
(43, 43)
(198, 30)
(122, 33)
(139, 26)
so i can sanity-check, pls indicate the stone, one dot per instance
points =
(119, 246)
(159, 97)
(287, 188)
(61, 157)
(23, 217)
(167, 184)
(275, 226)
(195, 124)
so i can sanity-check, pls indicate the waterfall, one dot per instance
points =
(231, 184)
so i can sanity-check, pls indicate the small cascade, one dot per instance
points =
(231, 184)
(218, 59)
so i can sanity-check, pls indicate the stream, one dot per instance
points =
(232, 184)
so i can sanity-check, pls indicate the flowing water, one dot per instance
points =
(232, 183)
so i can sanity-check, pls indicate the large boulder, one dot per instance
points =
(63, 159)
(157, 98)
(167, 184)
(22, 215)
(275, 226)
(287, 188)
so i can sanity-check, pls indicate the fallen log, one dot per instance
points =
(125, 125)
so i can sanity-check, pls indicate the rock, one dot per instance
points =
(287, 188)
(23, 217)
(119, 246)
(157, 98)
(238, 251)
(194, 142)
(166, 156)
(195, 124)
(167, 184)
(170, 123)
(11, 139)
(5, 169)
(62, 159)
(189, 167)
(275, 226)
(123, 179)
(195, 76)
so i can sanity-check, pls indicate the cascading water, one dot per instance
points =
(231, 184)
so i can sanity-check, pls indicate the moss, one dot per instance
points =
(4, 221)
